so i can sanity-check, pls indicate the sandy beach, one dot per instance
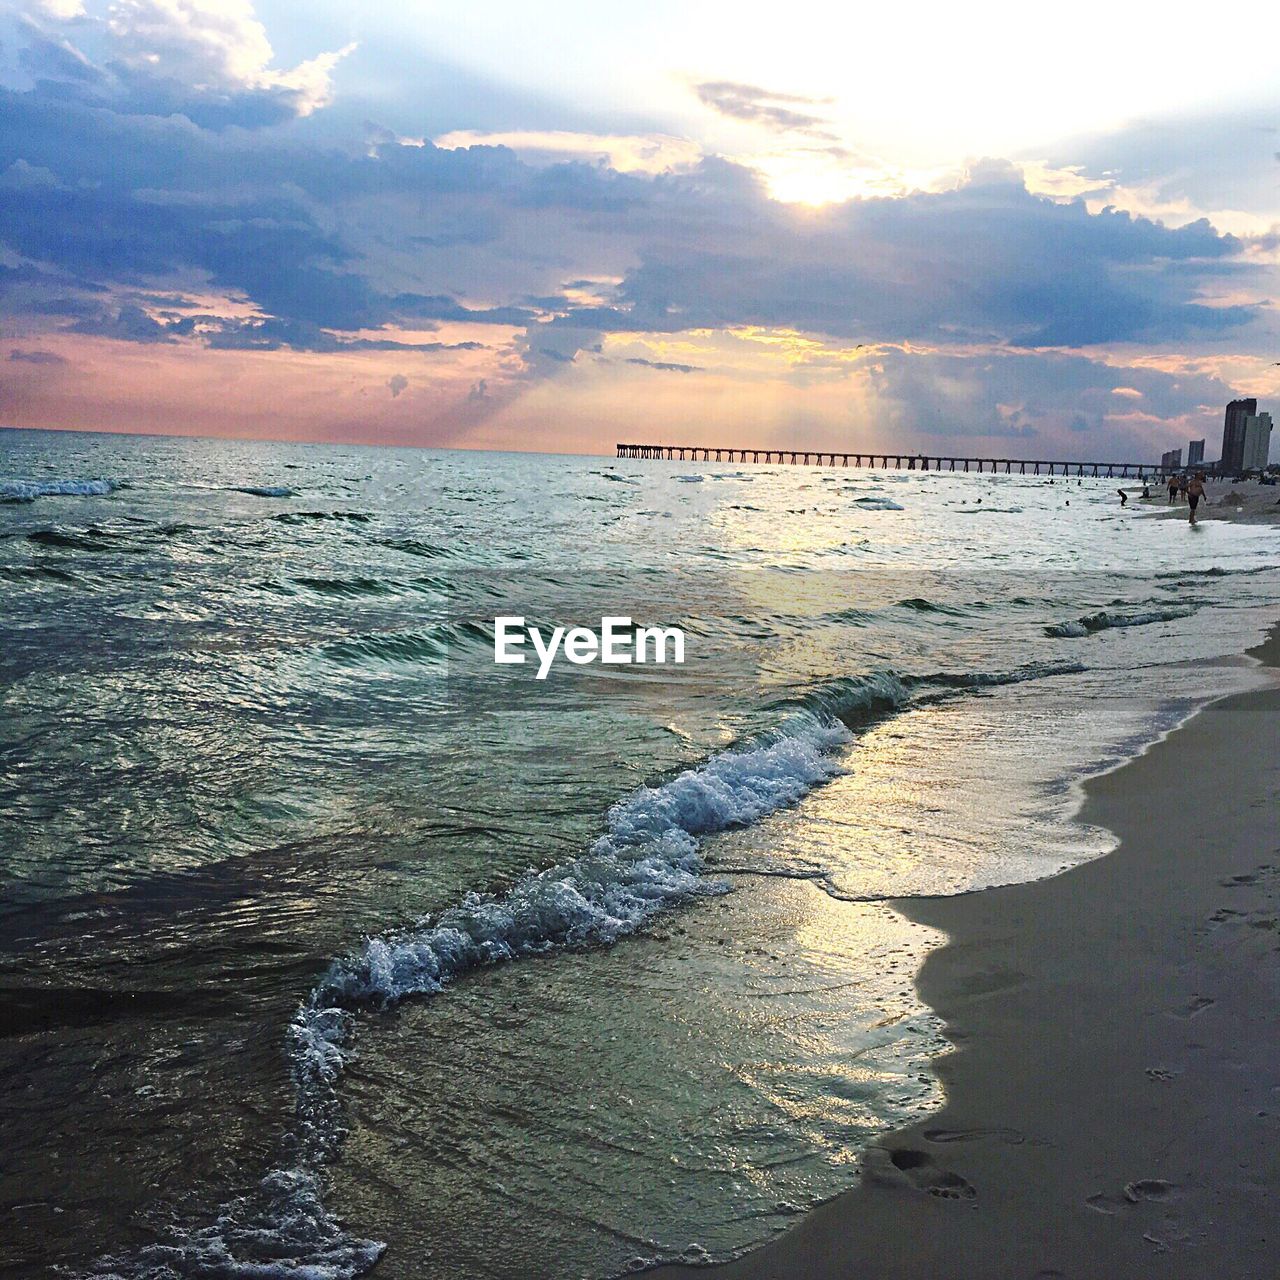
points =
(1246, 502)
(1113, 1097)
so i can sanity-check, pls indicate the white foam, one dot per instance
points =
(23, 491)
(1105, 620)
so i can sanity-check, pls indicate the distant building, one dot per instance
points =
(1256, 445)
(1195, 453)
(1233, 434)
(1171, 461)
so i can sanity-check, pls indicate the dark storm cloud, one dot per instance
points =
(322, 240)
(986, 262)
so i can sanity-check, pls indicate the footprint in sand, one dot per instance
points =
(1134, 1193)
(919, 1169)
(1147, 1189)
(1197, 1004)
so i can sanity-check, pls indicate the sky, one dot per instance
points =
(992, 229)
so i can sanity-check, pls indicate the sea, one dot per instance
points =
(327, 944)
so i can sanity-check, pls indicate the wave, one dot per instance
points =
(413, 547)
(302, 517)
(920, 604)
(265, 490)
(406, 646)
(646, 861)
(18, 573)
(878, 504)
(1105, 620)
(23, 491)
(91, 539)
(691, 479)
(989, 679)
(344, 588)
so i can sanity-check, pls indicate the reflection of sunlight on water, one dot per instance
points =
(726, 1070)
(243, 727)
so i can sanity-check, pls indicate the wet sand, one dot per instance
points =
(1114, 1092)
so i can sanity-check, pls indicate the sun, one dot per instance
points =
(817, 178)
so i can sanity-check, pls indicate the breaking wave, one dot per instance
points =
(646, 861)
(1105, 620)
(23, 491)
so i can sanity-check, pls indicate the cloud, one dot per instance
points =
(61, 10)
(129, 324)
(1208, 164)
(625, 153)
(209, 60)
(396, 384)
(274, 334)
(666, 366)
(37, 357)
(748, 102)
(933, 396)
(155, 231)
(20, 175)
(355, 241)
(987, 262)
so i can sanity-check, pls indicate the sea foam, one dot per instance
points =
(1106, 620)
(29, 491)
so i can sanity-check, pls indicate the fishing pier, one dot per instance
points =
(888, 461)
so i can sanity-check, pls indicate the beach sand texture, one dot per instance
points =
(1114, 1094)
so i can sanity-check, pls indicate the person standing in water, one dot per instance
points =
(1173, 490)
(1195, 491)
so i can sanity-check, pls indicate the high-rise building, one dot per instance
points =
(1256, 445)
(1195, 453)
(1171, 461)
(1233, 433)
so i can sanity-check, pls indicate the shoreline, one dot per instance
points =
(1250, 503)
(1113, 1088)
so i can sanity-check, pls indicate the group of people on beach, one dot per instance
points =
(1190, 487)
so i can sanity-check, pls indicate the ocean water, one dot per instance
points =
(327, 945)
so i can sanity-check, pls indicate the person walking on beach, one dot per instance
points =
(1173, 490)
(1195, 491)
